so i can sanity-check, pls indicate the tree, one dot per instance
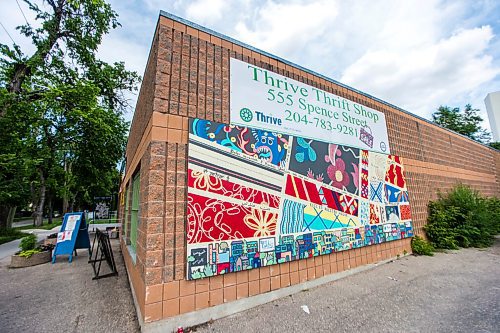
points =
(495, 145)
(62, 106)
(467, 123)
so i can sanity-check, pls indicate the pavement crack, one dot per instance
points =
(77, 322)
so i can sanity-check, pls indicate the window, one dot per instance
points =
(134, 216)
(125, 217)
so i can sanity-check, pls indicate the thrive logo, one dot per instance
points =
(246, 115)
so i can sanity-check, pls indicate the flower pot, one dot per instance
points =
(36, 259)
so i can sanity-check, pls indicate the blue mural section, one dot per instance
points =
(265, 145)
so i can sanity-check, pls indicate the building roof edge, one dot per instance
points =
(267, 54)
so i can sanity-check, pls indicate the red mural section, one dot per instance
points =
(211, 220)
(320, 195)
(203, 181)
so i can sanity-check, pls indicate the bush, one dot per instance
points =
(421, 247)
(9, 234)
(463, 218)
(28, 243)
(493, 207)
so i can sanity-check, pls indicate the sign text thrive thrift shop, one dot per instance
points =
(266, 100)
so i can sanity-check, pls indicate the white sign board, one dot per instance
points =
(266, 100)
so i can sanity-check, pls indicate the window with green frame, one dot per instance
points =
(134, 212)
(127, 206)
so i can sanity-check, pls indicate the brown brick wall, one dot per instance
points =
(188, 76)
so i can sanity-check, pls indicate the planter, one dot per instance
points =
(36, 259)
(50, 241)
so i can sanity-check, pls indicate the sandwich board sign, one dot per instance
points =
(73, 235)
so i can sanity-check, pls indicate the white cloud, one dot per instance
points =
(157, 5)
(206, 11)
(287, 28)
(421, 78)
(11, 17)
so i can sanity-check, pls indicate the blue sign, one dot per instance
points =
(73, 235)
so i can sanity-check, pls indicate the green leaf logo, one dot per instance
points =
(246, 115)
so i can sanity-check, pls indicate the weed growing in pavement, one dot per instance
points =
(421, 247)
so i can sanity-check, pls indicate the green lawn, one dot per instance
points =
(8, 235)
(56, 221)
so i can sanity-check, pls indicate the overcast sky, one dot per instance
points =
(414, 54)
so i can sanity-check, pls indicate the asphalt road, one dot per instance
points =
(454, 292)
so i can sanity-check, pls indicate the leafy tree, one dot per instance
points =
(63, 108)
(495, 145)
(467, 123)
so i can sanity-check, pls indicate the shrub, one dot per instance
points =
(421, 247)
(463, 218)
(493, 206)
(28, 243)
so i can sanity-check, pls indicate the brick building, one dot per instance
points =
(188, 76)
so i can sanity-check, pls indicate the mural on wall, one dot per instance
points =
(257, 198)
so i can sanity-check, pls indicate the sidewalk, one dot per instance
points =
(457, 291)
(8, 249)
(62, 297)
(22, 223)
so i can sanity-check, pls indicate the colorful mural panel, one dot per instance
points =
(257, 198)
(328, 163)
(264, 145)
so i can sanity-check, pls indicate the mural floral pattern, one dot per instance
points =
(257, 198)
(328, 163)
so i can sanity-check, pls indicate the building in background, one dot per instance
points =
(492, 102)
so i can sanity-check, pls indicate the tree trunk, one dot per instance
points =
(23, 70)
(4, 216)
(38, 214)
(10, 218)
(51, 208)
(65, 205)
(66, 193)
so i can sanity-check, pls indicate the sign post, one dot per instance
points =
(72, 236)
